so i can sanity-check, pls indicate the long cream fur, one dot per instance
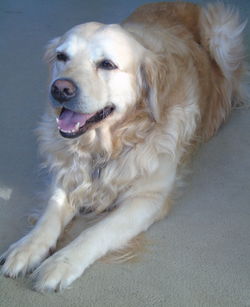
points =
(181, 69)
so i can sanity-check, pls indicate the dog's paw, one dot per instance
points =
(23, 256)
(56, 273)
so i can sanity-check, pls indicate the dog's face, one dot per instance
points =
(93, 76)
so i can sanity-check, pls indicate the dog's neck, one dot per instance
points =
(108, 142)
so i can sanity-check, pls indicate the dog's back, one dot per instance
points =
(168, 14)
(214, 35)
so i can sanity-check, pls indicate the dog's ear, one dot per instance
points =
(150, 85)
(50, 49)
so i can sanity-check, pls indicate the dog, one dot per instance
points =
(128, 105)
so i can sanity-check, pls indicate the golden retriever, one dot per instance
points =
(127, 105)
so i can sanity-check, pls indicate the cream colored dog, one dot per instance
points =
(128, 102)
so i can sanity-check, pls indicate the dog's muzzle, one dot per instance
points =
(71, 123)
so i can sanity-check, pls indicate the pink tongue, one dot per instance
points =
(69, 119)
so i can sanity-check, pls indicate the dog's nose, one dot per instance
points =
(63, 90)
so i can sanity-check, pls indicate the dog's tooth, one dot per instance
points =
(68, 131)
(77, 126)
(57, 120)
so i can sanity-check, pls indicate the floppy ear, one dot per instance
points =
(50, 50)
(151, 78)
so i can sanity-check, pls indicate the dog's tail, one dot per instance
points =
(221, 35)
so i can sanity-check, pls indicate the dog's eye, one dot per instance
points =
(107, 65)
(61, 56)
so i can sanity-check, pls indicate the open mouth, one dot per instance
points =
(72, 124)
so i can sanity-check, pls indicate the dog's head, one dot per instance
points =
(97, 73)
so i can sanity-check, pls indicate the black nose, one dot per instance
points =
(63, 90)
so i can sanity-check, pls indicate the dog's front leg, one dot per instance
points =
(24, 255)
(141, 207)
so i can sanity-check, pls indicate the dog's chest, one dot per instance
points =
(93, 182)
